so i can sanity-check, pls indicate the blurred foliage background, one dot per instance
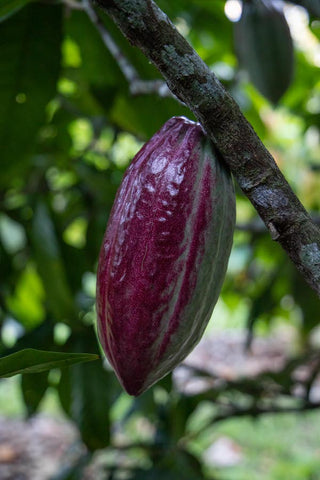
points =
(69, 126)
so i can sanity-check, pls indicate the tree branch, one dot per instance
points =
(189, 78)
(254, 411)
(250, 411)
(137, 86)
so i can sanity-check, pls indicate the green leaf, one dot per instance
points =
(265, 49)
(93, 390)
(136, 114)
(98, 66)
(33, 389)
(40, 338)
(29, 67)
(34, 361)
(27, 302)
(65, 391)
(87, 393)
(50, 265)
(9, 7)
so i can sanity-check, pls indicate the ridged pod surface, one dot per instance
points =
(164, 254)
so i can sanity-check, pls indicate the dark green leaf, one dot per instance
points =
(29, 68)
(263, 302)
(87, 393)
(65, 392)
(93, 391)
(9, 7)
(50, 265)
(33, 389)
(98, 66)
(264, 47)
(34, 361)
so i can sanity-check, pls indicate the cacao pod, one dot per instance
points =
(264, 47)
(164, 254)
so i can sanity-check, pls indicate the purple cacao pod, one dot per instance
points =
(164, 254)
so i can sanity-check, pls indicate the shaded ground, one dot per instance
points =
(33, 450)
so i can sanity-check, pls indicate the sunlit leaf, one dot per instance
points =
(27, 302)
(35, 361)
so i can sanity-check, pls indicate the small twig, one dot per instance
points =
(73, 4)
(145, 87)
(133, 446)
(257, 226)
(137, 86)
(251, 411)
(254, 411)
